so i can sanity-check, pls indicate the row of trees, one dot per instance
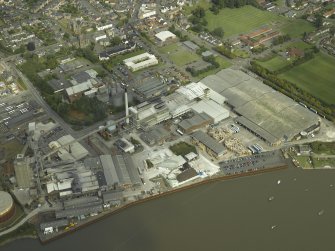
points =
(291, 90)
(178, 33)
(281, 39)
(220, 4)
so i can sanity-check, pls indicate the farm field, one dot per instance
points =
(316, 76)
(274, 64)
(179, 55)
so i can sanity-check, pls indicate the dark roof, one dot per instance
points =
(82, 201)
(81, 77)
(196, 120)
(208, 141)
(116, 49)
(257, 130)
(155, 134)
(58, 85)
(187, 174)
(112, 196)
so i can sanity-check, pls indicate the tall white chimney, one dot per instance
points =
(126, 104)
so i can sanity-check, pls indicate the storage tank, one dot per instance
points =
(6, 206)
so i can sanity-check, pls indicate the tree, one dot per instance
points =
(218, 32)
(116, 41)
(318, 21)
(31, 46)
(199, 12)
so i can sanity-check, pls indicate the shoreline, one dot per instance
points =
(155, 197)
(27, 236)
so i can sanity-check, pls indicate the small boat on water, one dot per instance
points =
(321, 212)
(278, 182)
(271, 198)
(273, 227)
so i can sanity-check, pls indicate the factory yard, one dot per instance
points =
(315, 76)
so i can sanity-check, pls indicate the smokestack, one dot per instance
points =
(126, 104)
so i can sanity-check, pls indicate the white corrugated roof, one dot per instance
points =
(164, 35)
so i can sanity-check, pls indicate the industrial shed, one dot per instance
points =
(269, 114)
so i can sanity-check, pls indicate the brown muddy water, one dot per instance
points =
(226, 215)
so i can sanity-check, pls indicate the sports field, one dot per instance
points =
(241, 20)
(275, 63)
(178, 54)
(296, 27)
(315, 76)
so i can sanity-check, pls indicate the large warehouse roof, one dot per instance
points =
(270, 114)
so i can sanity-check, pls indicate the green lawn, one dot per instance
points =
(223, 64)
(322, 162)
(179, 55)
(323, 147)
(315, 76)
(304, 162)
(274, 64)
(296, 27)
(300, 45)
(241, 20)
(182, 148)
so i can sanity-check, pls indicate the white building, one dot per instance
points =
(140, 61)
(164, 36)
(105, 27)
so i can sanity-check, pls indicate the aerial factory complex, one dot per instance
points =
(106, 104)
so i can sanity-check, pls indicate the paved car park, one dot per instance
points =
(253, 163)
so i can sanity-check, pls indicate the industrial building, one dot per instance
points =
(269, 114)
(68, 148)
(113, 198)
(71, 179)
(156, 135)
(192, 97)
(23, 171)
(199, 120)
(165, 37)
(7, 207)
(208, 144)
(150, 88)
(116, 50)
(140, 61)
(120, 171)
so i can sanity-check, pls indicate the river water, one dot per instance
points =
(226, 215)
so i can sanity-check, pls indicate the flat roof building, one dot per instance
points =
(199, 120)
(207, 143)
(165, 36)
(140, 61)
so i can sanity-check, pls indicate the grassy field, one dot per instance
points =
(323, 147)
(300, 45)
(297, 27)
(182, 148)
(315, 76)
(275, 63)
(223, 64)
(241, 20)
(179, 55)
(304, 162)
(322, 162)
